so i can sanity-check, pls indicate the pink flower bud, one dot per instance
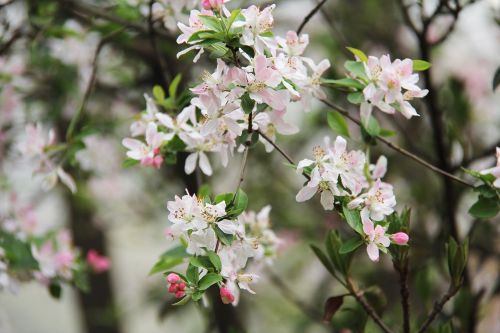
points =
(173, 288)
(400, 238)
(157, 161)
(211, 4)
(97, 262)
(181, 286)
(226, 295)
(147, 161)
(180, 294)
(173, 278)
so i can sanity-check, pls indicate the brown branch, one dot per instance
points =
(368, 308)
(399, 149)
(281, 151)
(310, 15)
(438, 307)
(97, 12)
(402, 269)
(91, 82)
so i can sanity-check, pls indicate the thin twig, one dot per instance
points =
(399, 149)
(368, 308)
(438, 307)
(91, 82)
(309, 16)
(154, 44)
(281, 151)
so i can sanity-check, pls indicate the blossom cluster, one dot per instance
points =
(495, 171)
(340, 175)
(28, 250)
(249, 91)
(388, 86)
(40, 148)
(222, 230)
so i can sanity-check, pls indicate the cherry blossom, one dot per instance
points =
(378, 201)
(97, 262)
(148, 153)
(375, 237)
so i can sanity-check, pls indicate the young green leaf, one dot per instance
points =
(358, 53)
(338, 123)
(356, 98)
(165, 263)
(215, 260)
(172, 89)
(209, 280)
(351, 245)
(357, 68)
(247, 103)
(485, 208)
(421, 65)
(323, 258)
(158, 93)
(345, 82)
(353, 219)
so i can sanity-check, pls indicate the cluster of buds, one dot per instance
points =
(176, 286)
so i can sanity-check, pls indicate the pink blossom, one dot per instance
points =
(400, 238)
(375, 237)
(97, 262)
(173, 278)
(212, 4)
(226, 295)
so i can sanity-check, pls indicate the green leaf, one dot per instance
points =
(351, 245)
(421, 65)
(386, 132)
(172, 89)
(209, 280)
(333, 244)
(214, 258)
(346, 82)
(323, 258)
(360, 54)
(247, 103)
(357, 68)
(226, 239)
(372, 128)
(158, 93)
(356, 98)
(485, 208)
(353, 219)
(267, 34)
(337, 123)
(192, 273)
(240, 203)
(164, 264)
(226, 197)
(201, 262)
(232, 18)
(211, 22)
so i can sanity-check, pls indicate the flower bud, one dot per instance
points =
(400, 238)
(226, 295)
(173, 288)
(181, 286)
(173, 278)
(180, 294)
(211, 4)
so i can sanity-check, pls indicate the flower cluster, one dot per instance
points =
(29, 250)
(389, 86)
(342, 176)
(219, 230)
(254, 82)
(40, 148)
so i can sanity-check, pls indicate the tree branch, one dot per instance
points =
(368, 308)
(438, 307)
(310, 15)
(399, 149)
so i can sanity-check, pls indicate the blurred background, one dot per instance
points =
(48, 48)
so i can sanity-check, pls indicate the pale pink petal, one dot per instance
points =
(205, 164)
(190, 163)
(372, 251)
(306, 193)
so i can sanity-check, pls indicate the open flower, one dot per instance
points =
(149, 153)
(376, 238)
(378, 202)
